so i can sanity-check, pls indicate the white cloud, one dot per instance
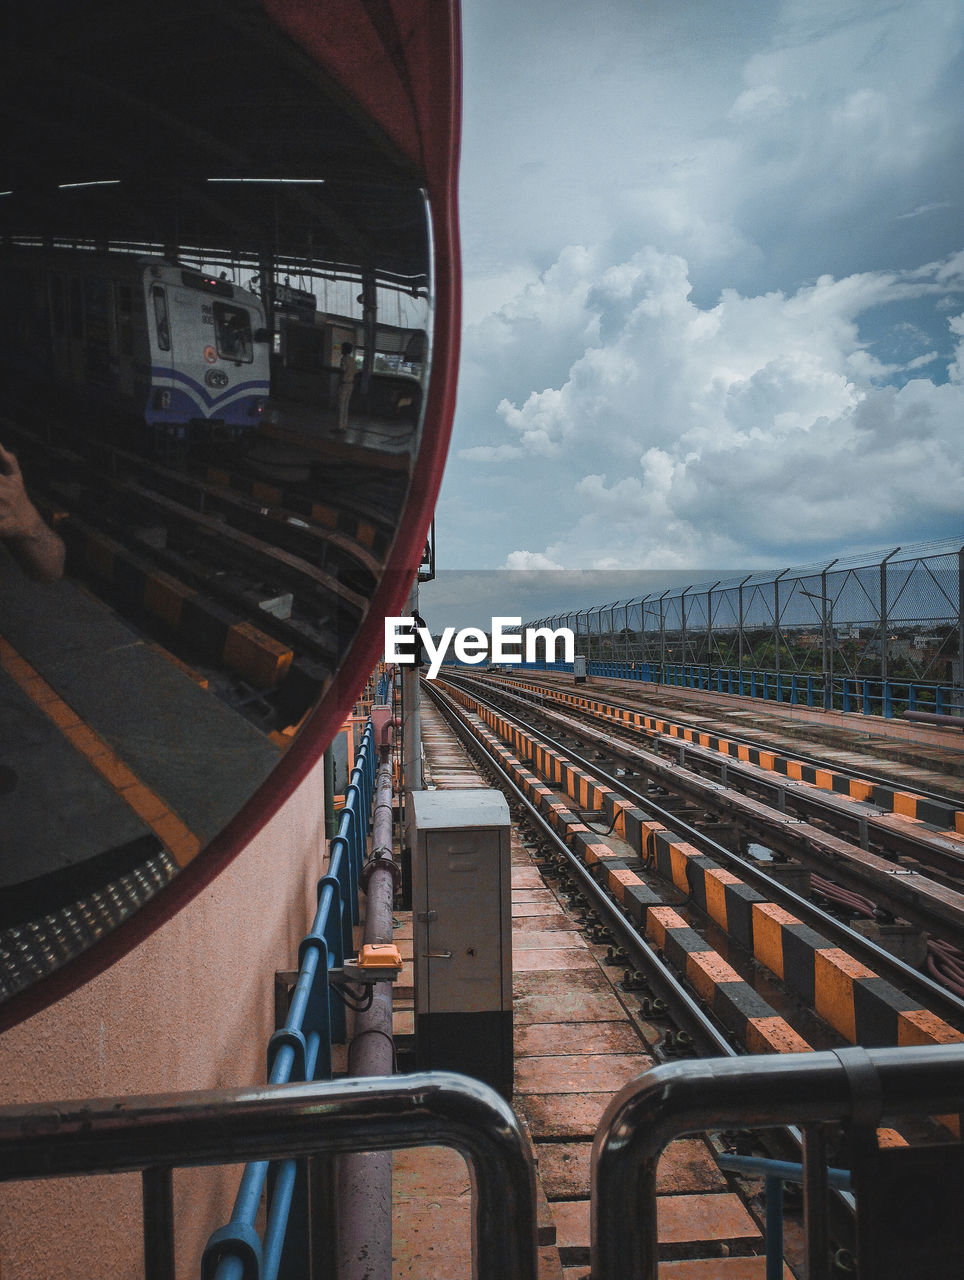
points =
(529, 560)
(689, 435)
(733, 393)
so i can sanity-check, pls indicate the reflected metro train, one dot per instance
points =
(147, 339)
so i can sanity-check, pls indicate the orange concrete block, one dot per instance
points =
(618, 878)
(256, 656)
(715, 881)
(860, 790)
(768, 922)
(824, 778)
(919, 1026)
(164, 597)
(680, 854)
(905, 804)
(661, 919)
(890, 1138)
(324, 516)
(767, 760)
(705, 970)
(269, 494)
(794, 769)
(834, 974)
(773, 1035)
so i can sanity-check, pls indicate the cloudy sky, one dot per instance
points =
(713, 260)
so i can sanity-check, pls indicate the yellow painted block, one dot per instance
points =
(706, 970)
(164, 597)
(716, 893)
(266, 493)
(768, 921)
(324, 516)
(680, 854)
(661, 919)
(920, 1026)
(773, 1035)
(834, 974)
(905, 804)
(256, 656)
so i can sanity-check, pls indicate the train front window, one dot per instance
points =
(232, 327)
(160, 318)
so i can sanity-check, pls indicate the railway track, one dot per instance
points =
(261, 598)
(901, 864)
(707, 953)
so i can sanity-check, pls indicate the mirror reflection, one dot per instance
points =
(215, 329)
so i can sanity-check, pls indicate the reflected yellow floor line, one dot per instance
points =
(149, 807)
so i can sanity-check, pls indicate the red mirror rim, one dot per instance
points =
(400, 61)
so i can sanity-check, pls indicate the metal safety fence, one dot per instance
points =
(881, 633)
(301, 1050)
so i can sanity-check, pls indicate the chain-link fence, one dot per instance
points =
(880, 631)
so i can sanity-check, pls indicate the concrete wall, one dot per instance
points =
(191, 1008)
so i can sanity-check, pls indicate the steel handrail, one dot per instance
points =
(154, 1135)
(302, 1049)
(751, 1092)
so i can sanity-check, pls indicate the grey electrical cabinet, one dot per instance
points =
(462, 917)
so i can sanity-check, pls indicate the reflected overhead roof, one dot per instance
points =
(166, 106)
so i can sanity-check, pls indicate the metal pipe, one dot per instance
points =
(365, 1178)
(816, 1232)
(749, 1092)
(129, 1134)
(931, 717)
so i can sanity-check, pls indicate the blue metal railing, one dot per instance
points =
(887, 698)
(301, 1051)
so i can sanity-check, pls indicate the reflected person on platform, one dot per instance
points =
(33, 544)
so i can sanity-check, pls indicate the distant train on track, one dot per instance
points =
(181, 352)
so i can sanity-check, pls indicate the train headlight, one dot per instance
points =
(256, 408)
(162, 398)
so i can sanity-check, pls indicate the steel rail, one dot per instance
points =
(818, 762)
(685, 1011)
(941, 1001)
(939, 851)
